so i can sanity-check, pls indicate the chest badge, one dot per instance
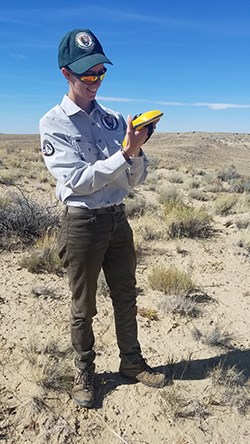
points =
(110, 122)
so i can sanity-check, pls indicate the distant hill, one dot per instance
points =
(201, 150)
(191, 149)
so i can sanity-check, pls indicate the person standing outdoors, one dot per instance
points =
(82, 143)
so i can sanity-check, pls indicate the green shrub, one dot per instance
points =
(187, 221)
(224, 205)
(170, 280)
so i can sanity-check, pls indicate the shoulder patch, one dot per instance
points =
(109, 121)
(48, 148)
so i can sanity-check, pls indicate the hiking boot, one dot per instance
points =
(83, 390)
(146, 375)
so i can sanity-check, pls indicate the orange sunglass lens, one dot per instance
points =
(92, 79)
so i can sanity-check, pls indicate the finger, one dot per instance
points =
(129, 122)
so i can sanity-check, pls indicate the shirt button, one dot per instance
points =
(99, 140)
(93, 123)
(108, 201)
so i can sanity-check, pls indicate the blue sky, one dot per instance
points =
(188, 58)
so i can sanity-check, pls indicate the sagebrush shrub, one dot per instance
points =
(25, 220)
(168, 194)
(135, 206)
(228, 174)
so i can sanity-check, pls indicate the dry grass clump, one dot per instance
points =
(228, 388)
(177, 405)
(243, 242)
(216, 337)
(186, 221)
(224, 205)
(43, 257)
(50, 366)
(170, 280)
(181, 305)
(150, 313)
(149, 227)
(9, 176)
(23, 220)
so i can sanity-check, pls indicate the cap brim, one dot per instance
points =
(85, 63)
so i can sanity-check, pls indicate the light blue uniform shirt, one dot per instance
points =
(83, 152)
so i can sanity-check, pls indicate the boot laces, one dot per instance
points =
(85, 377)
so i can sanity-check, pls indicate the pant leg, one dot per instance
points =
(83, 241)
(119, 268)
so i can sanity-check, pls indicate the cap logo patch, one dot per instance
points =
(48, 148)
(84, 40)
(110, 122)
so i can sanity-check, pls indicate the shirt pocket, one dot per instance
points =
(113, 140)
(88, 152)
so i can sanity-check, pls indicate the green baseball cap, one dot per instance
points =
(80, 50)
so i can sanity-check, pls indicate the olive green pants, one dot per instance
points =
(87, 243)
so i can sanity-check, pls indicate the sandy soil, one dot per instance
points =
(34, 312)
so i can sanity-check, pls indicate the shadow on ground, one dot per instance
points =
(195, 369)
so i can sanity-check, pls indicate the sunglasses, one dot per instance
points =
(89, 79)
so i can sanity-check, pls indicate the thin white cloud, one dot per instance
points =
(214, 106)
(157, 102)
(221, 106)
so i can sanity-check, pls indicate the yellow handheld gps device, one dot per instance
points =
(146, 119)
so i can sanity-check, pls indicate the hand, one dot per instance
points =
(134, 139)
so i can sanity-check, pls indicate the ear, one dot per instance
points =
(65, 73)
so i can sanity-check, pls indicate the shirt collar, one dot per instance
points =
(70, 107)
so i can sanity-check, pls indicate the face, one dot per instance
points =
(80, 92)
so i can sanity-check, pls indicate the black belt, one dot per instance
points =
(92, 211)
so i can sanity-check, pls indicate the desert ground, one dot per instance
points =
(191, 222)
